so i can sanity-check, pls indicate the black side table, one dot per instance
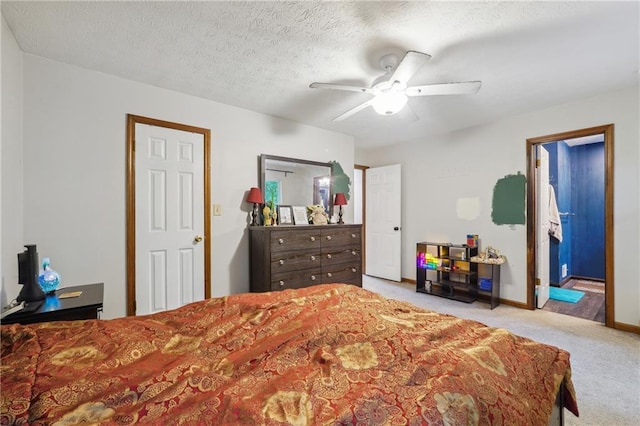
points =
(86, 306)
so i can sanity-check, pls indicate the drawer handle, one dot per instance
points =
(281, 283)
(281, 261)
(328, 237)
(280, 241)
(329, 274)
(353, 269)
(353, 252)
(329, 256)
(312, 239)
(313, 258)
(353, 235)
(313, 277)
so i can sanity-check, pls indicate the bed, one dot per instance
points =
(327, 354)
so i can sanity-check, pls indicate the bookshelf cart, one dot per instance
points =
(489, 280)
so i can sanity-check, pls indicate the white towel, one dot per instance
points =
(555, 227)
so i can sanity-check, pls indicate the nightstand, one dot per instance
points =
(86, 306)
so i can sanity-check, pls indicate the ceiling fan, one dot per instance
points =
(390, 91)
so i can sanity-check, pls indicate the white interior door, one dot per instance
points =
(542, 226)
(384, 228)
(169, 218)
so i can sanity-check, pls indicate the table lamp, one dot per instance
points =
(340, 200)
(255, 197)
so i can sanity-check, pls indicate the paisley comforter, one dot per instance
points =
(328, 354)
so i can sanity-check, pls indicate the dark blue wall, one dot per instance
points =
(577, 176)
(565, 161)
(587, 202)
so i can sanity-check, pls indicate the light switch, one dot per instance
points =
(217, 210)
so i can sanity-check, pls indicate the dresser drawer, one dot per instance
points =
(292, 240)
(293, 260)
(296, 279)
(338, 236)
(343, 273)
(341, 255)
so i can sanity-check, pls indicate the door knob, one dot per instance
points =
(396, 228)
(197, 239)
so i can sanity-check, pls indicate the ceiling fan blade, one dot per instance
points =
(340, 87)
(463, 88)
(409, 65)
(353, 111)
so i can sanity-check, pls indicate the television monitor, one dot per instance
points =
(28, 275)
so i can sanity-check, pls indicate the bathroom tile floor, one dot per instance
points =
(590, 307)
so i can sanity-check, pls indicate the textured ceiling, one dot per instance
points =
(262, 56)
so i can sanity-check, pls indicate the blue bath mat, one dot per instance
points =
(565, 294)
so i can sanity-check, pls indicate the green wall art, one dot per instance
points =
(341, 181)
(509, 197)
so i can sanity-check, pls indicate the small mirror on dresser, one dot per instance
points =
(296, 182)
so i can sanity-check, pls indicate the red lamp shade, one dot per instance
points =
(255, 196)
(340, 199)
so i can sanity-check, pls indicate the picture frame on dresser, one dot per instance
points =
(285, 215)
(300, 215)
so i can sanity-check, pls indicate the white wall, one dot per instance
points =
(463, 167)
(357, 196)
(11, 241)
(74, 171)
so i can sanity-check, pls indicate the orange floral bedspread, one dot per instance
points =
(329, 354)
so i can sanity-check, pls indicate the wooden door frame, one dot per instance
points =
(607, 130)
(132, 120)
(364, 213)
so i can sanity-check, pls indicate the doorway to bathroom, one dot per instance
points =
(579, 255)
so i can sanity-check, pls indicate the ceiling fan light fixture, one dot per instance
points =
(389, 103)
(391, 90)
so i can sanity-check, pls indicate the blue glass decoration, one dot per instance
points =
(51, 303)
(48, 278)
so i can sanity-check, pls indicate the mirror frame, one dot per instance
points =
(263, 170)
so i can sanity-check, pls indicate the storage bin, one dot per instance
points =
(485, 284)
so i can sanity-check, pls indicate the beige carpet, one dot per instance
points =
(605, 362)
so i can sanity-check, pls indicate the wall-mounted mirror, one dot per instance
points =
(295, 182)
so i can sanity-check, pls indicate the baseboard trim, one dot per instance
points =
(502, 301)
(627, 327)
(515, 304)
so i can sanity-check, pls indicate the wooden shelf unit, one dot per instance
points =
(445, 270)
(456, 272)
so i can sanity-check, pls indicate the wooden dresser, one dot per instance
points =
(298, 256)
